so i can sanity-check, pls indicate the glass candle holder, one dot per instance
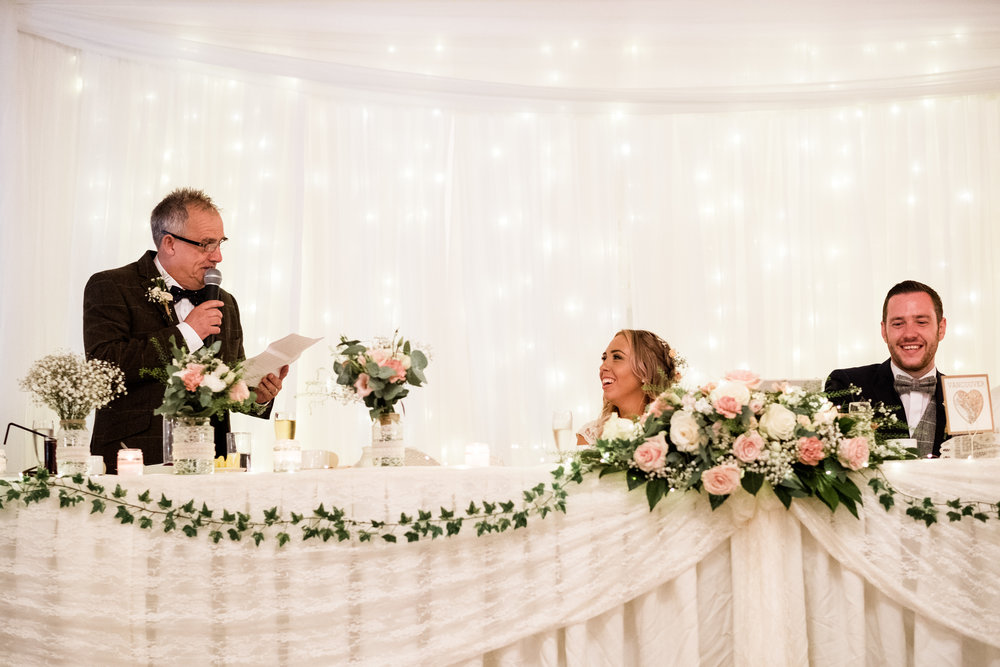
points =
(129, 462)
(287, 456)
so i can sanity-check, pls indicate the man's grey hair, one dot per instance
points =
(171, 213)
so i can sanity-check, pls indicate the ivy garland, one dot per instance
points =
(326, 524)
(146, 512)
(925, 509)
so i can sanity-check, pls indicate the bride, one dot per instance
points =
(633, 359)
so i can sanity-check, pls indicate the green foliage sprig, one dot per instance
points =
(148, 513)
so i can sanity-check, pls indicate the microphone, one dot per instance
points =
(213, 278)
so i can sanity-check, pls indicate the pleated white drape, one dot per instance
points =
(510, 183)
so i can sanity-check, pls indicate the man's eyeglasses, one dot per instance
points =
(206, 246)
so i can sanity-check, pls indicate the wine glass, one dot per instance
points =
(562, 429)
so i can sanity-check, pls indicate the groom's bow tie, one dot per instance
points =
(905, 384)
(195, 296)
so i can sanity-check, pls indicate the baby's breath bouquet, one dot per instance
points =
(72, 386)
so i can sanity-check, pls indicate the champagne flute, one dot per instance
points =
(562, 429)
(284, 425)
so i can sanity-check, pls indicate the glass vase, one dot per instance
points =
(73, 448)
(387, 441)
(192, 445)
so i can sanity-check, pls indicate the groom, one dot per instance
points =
(913, 324)
(123, 315)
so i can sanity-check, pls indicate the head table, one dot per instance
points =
(608, 582)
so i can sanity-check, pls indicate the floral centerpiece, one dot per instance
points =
(730, 434)
(73, 387)
(378, 374)
(199, 385)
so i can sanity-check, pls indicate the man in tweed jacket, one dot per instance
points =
(913, 323)
(121, 321)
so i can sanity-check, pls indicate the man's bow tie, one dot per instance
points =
(905, 384)
(196, 296)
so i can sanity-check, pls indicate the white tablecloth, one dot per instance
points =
(608, 583)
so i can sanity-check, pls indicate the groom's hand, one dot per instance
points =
(206, 319)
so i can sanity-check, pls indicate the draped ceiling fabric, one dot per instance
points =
(511, 182)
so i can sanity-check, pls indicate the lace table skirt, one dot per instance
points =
(607, 583)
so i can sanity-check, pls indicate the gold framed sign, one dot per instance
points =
(967, 403)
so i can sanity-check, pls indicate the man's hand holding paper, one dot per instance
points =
(266, 371)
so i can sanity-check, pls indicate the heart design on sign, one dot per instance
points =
(969, 404)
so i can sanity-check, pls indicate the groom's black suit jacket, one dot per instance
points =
(876, 383)
(120, 324)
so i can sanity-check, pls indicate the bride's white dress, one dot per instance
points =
(590, 431)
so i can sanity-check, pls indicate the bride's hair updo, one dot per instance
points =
(652, 361)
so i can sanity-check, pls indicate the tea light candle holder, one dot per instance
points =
(477, 455)
(129, 462)
(287, 456)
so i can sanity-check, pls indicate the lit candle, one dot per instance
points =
(129, 462)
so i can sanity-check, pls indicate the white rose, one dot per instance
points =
(684, 431)
(827, 413)
(214, 383)
(737, 390)
(778, 422)
(618, 428)
(404, 359)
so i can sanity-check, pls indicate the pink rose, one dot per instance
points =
(756, 405)
(707, 388)
(750, 379)
(378, 355)
(722, 479)
(361, 387)
(192, 376)
(396, 365)
(651, 455)
(810, 451)
(727, 406)
(853, 453)
(239, 392)
(748, 446)
(657, 407)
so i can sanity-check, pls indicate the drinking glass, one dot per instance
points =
(562, 429)
(46, 426)
(240, 443)
(284, 426)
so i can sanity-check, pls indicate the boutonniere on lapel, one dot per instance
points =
(160, 293)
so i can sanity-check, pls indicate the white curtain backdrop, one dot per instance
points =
(510, 183)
